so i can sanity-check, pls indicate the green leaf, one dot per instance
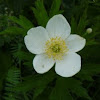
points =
(36, 82)
(83, 22)
(38, 91)
(22, 21)
(89, 70)
(40, 13)
(64, 86)
(14, 31)
(55, 8)
(73, 25)
(12, 79)
(60, 91)
(26, 57)
(23, 55)
(77, 88)
(92, 42)
(5, 63)
(81, 92)
(79, 27)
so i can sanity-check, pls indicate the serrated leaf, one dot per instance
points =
(60, 91)
(81, 92)
(40, 13)
(55, 8)
(83, 22)
(14, 31)
(22, 21)
(38, 91)
(36, 82)
(23, 55)
(25, 23)
(77, 88)
(88, 71)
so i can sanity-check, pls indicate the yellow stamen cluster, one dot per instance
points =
(56, 48)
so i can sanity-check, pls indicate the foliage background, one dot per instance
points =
(18, 80)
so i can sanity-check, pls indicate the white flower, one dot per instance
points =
(89, 30)
(55, 45)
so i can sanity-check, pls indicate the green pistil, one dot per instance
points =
(56, 48)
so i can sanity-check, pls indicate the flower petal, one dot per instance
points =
(35, 40)
(69, 66)
(58, 26)
(75, 43)
(42, 63)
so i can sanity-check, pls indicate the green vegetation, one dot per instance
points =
(18, 80)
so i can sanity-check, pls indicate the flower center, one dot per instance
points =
(56, 48)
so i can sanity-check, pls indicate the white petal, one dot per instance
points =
(42, 63)
(75, 43)
(58, 26)
(35, 40)
(69, 66)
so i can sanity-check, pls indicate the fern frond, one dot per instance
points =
(12, 79)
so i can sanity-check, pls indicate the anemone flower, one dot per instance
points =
(55, 45)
